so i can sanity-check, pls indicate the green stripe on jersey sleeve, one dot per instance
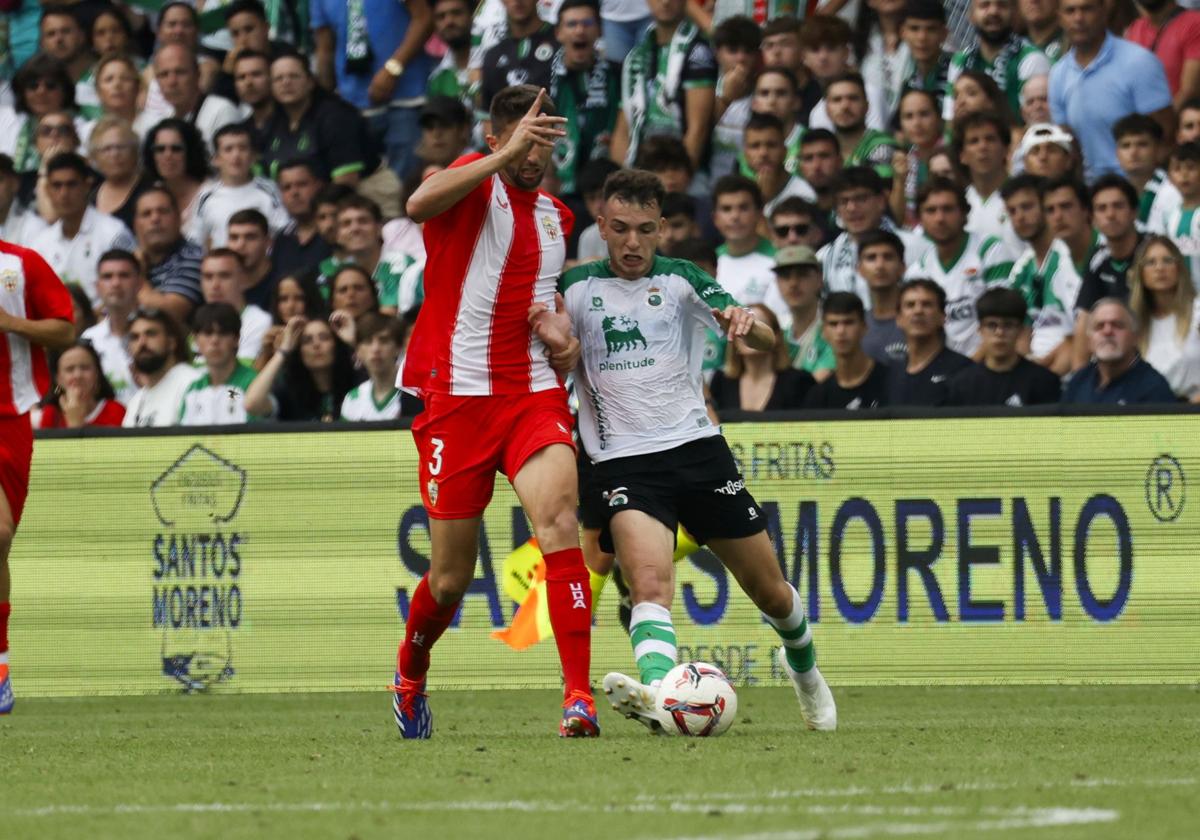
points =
(706, 288)
(598, 268)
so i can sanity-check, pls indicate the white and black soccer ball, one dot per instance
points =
(697, 699)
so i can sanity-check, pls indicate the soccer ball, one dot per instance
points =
(698, 699)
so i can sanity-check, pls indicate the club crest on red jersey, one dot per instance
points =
(550, 227)
(9, 279)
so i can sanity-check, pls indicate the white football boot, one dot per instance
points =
(816, 702)
(635, 701)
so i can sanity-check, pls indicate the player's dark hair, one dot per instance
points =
(844, 303)
(695, 250)
(512, 103)
(42, 68)
(241, 7)
(69, 160)
(661, 152)
(568, 5)
(1024, 181)
(195, 162)
(782, 25)
(942, 184)
(818, 135)
(1001, 302)
(354, 201)
(250, 216)
(371, 324)
(1186, 153)
(635, 187)
(924, 10)
(593, 174)
(121, 255)
(928, 285)
(1133, 124)
(217, 317)
(858, 177)
(737, 31)
(1113, 181)
(879, 236)
(1076, 186)
(679, 204)
(733, 184)
(794, 205)
(104, 388)
(763, 122)
(233, 130)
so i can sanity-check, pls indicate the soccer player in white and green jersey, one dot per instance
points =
(658, 459)
(218, 396)
(964, 264)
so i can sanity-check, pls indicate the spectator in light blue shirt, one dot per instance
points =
(1102, 79)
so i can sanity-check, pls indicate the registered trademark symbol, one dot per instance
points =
(1166, 488)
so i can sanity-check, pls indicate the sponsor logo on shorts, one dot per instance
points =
(431, 490)
(563, 428)
(753, 512)
(731, 488)
(616, 497)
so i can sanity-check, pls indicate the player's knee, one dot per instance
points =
(448, 587)
(774, 599)
(558, 529)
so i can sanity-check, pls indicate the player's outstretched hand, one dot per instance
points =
(553, 328)
(535, 129)
(734, 320)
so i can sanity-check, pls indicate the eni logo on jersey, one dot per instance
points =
(621, 333)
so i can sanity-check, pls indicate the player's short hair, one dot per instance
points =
(1186, 153)
(733, 184)
(695, 250)
(1024, 181)
(69, 160)
(1134, 124)
(594, 173)
(879, 236)
(1001, 302)
(121, 255)
(354, 201)
(794, 205)
(635, 187)
(844, 303)
(224, 254)
(928, 285)
(233, 130)
(737, 31)
(782, 25)
(858, 177)
(241, 7)
(250, 216)
(568, 5)
(825, 30)
(660, 152)
(679, 204)
(371, 324)
(924, 10)
(512, 103)
(818, 135)
(217, 317)
(763, 122)
(942, 184)
(1113, 181)
(1076, 186)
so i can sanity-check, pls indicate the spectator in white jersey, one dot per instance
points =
(759, 380)
(858, 381)
(379, 348)
(161, 358)
(1167, 312)
(217, 397)
(223, 280)
(235, 188)
(924, 378)
(981, 147)
(1139, 140)
(118, 280)
(881, 264)
(745, 263)
(1003, 376)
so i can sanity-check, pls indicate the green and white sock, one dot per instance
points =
(653, 639)
(796, 637)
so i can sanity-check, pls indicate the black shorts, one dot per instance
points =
(591, 505)
(697, 484)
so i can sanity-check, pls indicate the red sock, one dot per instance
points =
(570, 601)
(427, 621)
(5, 610)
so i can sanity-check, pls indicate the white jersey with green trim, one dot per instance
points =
(1050, 290)
(638, 380)
(983, 262)
(1183, 228)
(360, 404)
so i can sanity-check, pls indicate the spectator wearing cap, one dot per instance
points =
(1173, 35)
(373, 53)
(17, 224)
(311, 124)
(759, 380)
(1118, 375)
(858, 381)
(445, 132)
(1003, 376)
(924, 377)
(1102, 79)
(452, 25)
(172, 262)
(73, 243)
(118, 280)
(217, 396)
(1047, 151)
(161, 356)
(796, 298)
(586, 89)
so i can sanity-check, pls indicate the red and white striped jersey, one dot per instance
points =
(29, 289)
(489, 257)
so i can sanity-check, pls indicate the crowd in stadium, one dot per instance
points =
(964, 203)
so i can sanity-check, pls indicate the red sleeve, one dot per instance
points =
(111, 415)
(445, 223)
(45, 295)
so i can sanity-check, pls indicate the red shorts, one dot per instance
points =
(16, 453)
(463, 441)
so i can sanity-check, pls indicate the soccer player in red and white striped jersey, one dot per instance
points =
(495, 246)
(36, 312)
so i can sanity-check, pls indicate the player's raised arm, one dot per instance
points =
(444, 189)
(738, 322)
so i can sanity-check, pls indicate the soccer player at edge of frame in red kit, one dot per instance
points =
(36, 313)
(494, 399)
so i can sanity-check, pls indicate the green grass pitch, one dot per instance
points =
(1088, 762)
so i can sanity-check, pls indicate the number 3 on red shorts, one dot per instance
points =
(435, 459)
